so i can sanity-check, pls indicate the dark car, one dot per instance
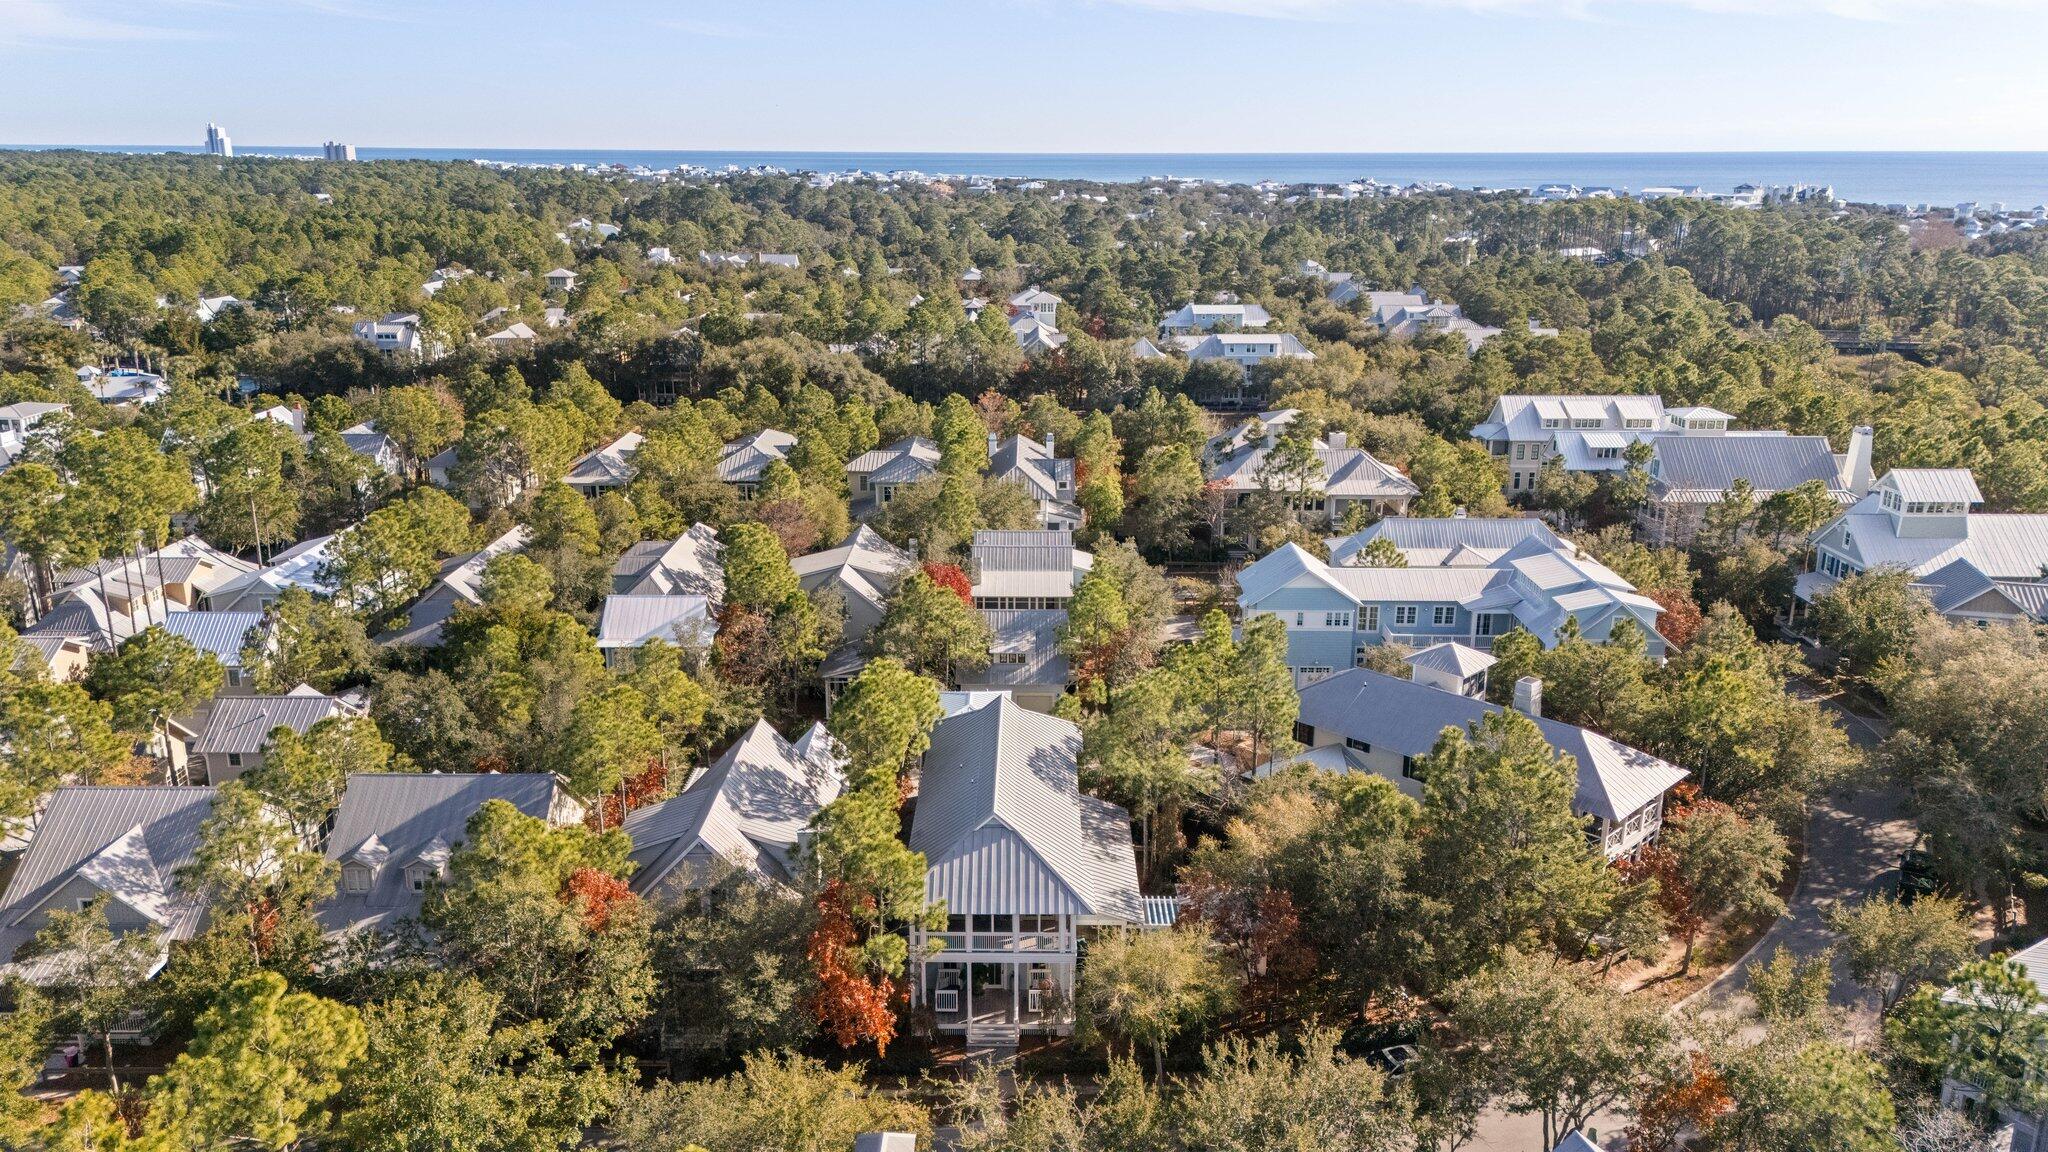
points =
(1916, 875)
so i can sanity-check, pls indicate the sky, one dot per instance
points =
(1033, 75)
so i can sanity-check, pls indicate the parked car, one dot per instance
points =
(1916, 875)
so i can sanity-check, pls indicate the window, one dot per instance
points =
(1521, 451)
(1300, 618)
(1336, 619)
(1515, 482)
(1586, 422)
(416, 879)
(1304, 734)
(1404, 615)
(356, 878)
(1444, 615)
(1410, 769)
(1009, 658)
(1358, 745)
(1369, 617)
(1314, 672)
(234, 759)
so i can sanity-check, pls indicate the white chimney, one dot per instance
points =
(1338, 439)
(1856, 475)
(1048, 444)
(1529, 696)
(993, 440)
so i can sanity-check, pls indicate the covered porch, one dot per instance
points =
(998, 999)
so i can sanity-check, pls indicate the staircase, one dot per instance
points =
(992, 1035)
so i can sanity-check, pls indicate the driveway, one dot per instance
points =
(1853, 841)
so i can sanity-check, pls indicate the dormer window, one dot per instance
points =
(355, 878)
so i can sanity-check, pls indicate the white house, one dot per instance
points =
(1034, 335)
(126, 844)
(1039, 303)
(394, 832)
(741, 462)
(561, 280)
(1241, 467)
(1359, 720)
(395, 334)
(692, 564)
(631, 621)
(1334, 612)
(1976, 567)
(1191, 318)
(1692, 472)
(1047, 477)
(605, 467)
(874, 475)
(750, 812)
(2026, 1129)
(238, 732)
(1026, 864)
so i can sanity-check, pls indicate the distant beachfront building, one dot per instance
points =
(335, 151)
(217, 142)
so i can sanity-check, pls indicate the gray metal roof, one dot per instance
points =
(1935, 485)
(747, 808)
(1033, 634)
(392, 819)
(128, 842)
(633, 621)
(1430, 541)
(1453, 658)
(691, 564)
(914, 447)
(221, 633)
(1004, 827)
(1703, 467)
(2004, 546)
(242, 724)
(746, 458)
(1031, 562)
(1387, 712)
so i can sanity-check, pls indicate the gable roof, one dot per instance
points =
(1004, 827)
(221, 633)
(461, 583)
(609, 465)
(905, 460)
(243, 724)
(635, 620)
(691, 564)
(389, 820)
(1345, 472)
(1934, 485)
(1406, 717)
(1029, 562)
(743, 460)
(1434, 541)
(127, 842)
(747, 807)
(1701, 469)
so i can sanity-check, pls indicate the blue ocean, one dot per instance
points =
(2016, 179)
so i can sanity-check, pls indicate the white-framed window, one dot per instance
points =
(1300, 619)
(1445, 615)
(355, 878)
(1353, 742)
(1336, 619)
(1314, 672)
(1521, 451)
(1009, 658)
(1369, 617)
(234, 759)
(1404, 615)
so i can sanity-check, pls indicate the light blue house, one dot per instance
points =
(1334, 612)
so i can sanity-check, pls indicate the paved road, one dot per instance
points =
(1853, 841)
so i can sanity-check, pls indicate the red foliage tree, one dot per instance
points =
(1674, 899)
(638, 790)
(1693, 1101)
(851, 1004)
(952, 579)
(791, 523)
(1258, 930)
(1681, 620)
(744, 646)
(596, 895)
